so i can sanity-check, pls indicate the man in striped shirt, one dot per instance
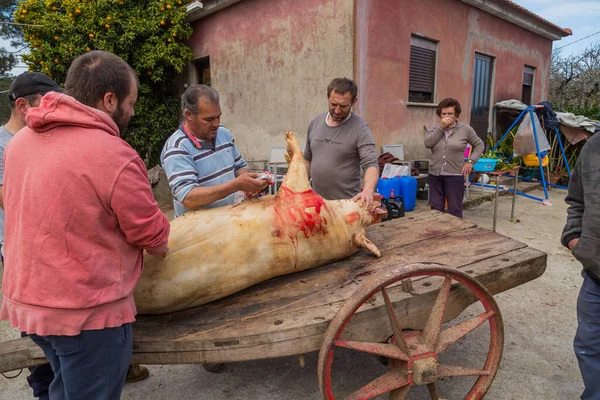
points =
(202, 163)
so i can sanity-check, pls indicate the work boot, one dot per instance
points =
(136, 372)
(214, 367)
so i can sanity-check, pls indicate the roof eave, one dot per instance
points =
(521, 19)
(197, 10)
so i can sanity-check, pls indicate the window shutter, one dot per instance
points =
(422, 70)
(528, 76)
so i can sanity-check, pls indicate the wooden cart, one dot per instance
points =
(398, 302)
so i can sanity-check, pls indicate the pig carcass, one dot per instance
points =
(216, 252)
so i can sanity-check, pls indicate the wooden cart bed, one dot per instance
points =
(289, 315)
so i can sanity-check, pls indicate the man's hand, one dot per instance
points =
(572, 243)
(364, 199)
(446, 121)
(249, 183)
(467, 168)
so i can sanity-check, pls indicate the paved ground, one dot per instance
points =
(539, 320)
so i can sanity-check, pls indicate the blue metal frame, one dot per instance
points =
(537, 149)
(562, 150)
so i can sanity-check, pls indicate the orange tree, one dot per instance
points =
(148, 34)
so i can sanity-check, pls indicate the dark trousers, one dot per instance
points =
(587, 337)
(90, 366)
(451, 188)
(40, 379)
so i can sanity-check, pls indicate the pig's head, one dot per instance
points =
(356, 219)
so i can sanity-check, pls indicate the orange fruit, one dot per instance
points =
(149, 72)
(169, 6)
(91, 35)
(87, 49)
(70, 49)
(24, 11)
(107, 26)
(174, 35)
(108, 18)
(162, 22)
(55, 37)
(78, 11)
(56, 60)
(162, 9)
(41, 63)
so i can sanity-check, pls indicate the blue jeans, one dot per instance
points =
(587, 338)
(90, 366)
(40, 378)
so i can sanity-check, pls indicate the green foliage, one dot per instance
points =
(149, 35)
(11, 34)
(592, 112)
(4, 105)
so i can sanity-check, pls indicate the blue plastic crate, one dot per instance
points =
(485, 164)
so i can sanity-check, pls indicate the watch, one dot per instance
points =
(470, 161)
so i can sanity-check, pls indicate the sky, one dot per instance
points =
(581, 16)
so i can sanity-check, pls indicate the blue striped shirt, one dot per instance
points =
(189, 164)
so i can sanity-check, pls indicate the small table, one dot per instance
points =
(498, 175)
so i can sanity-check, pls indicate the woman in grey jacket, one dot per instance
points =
(448, 141)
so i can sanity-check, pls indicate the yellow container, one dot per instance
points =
(531, 160)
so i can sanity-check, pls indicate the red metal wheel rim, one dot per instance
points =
(379, 283)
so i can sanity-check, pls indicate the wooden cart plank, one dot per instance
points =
(498, 273)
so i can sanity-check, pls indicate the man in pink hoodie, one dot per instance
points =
(79, 213)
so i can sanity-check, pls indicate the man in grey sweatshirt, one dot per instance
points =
(582, 236)
(338, 145)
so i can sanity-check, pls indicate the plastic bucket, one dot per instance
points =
(408, 190)
(385, 187)
(485, 164)
(531, 160)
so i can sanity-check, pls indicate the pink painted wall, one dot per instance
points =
(383, 31)
(271, 61)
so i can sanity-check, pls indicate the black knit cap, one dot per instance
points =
(30, 83)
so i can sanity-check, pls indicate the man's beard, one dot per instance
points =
(122, 121)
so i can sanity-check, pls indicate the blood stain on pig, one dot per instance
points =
(351, 218)
(297, 212)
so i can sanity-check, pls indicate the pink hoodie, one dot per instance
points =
(79, 211)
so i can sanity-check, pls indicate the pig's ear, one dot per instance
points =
(362, 241)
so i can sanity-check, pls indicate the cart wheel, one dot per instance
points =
(413, 356)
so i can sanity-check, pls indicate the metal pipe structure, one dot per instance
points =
(562, 150)
(537, 148)
(514, 199)
(509, 129)
(526, 195)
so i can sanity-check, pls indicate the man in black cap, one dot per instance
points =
(25, 92)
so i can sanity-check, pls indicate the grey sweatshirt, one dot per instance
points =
(583, 214)
(337, 154)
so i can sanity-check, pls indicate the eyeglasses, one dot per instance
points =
(448, 114)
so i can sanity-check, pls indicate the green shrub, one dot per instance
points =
(149, 35)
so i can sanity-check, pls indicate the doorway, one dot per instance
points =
(480, 99)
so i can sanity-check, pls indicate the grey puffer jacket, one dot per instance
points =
(583, 215)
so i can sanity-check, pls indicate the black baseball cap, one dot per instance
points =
(30, 83)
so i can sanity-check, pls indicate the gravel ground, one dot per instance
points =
(539, 318)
